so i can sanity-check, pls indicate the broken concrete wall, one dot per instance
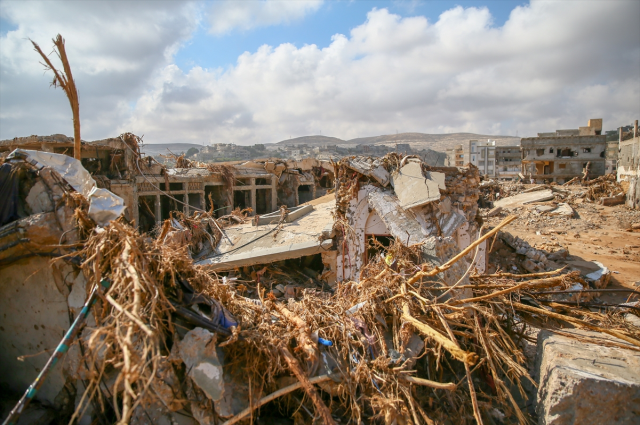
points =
(448, 221)
(288, 190)
(584, 381)
(38, 302)
(561, 158)
(629, 170)
(129, 194)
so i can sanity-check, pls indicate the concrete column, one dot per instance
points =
(135, 213)
(274, 193)
(158, 209)
(635, 129)
(186, 207)
(253, 194)
(619, 134)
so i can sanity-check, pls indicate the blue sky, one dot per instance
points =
(334, 17)
(250, 71)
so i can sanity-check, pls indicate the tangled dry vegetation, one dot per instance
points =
(371, 366)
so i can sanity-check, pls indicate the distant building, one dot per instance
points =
(508, 162)
(611, 157)
(564, 154)
(628, 169)
(455, 156)
(482, 155)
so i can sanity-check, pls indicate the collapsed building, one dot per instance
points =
(375, 208)
(564, 154)
(370, 304)
(152, 192)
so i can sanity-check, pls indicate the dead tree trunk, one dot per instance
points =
(65, 80)
(585, 174)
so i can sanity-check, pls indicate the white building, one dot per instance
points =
(483, 156)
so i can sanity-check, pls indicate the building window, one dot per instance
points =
(539, 152)
(586, 150)
(481, 164)
(566, 152)
(550, 150)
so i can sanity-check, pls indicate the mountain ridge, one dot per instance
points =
(439, 142)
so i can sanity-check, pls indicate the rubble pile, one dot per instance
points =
(421, 333)
(382, 347)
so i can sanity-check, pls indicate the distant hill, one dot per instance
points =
(154, 149)
(313, 140)
(438, 142)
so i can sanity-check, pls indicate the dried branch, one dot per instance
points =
(67, 83)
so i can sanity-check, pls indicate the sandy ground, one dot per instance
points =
(594, 233)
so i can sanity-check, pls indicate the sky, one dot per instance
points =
(251, 72)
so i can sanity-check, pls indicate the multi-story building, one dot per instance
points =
(482, 155)
(611, 157)
(628, 169)
(508, 162)
(564, 154)
(455, 156)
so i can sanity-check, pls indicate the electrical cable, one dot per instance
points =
(242, 246)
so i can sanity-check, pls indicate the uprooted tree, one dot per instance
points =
(65, 80)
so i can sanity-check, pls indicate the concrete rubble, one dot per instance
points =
(367, 290)
(587, 377)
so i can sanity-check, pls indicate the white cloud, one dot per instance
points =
(552, 65)
(226, 16)
(113, 48)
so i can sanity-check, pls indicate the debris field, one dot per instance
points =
(410, 294)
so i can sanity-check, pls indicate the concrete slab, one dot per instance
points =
(370, 167)
(449, 223)
(563, 210)
(252, 245)
(294, 213)
(199, 356)
(542, 209)
(524, 198)
(584, 382)
(413, 188)
(400, 223)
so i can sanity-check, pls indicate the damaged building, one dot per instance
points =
(418, 205)
(370, 304)
(565, 154)
(151, 191)
(629, 165)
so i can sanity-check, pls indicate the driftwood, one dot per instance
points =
(281, 392)
(66, 81)
(304, 340)
(462, 254)
(308, 387)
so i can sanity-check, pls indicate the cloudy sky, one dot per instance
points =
(262, 71)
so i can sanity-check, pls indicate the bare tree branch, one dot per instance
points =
(66, 82)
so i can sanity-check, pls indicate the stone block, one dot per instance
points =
(586, 382)
(198, 352)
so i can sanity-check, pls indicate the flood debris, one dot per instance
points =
(387, 301)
